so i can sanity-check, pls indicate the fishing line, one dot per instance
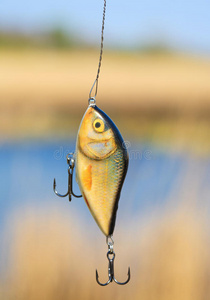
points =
(95, 84)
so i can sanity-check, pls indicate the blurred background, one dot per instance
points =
(155, 85)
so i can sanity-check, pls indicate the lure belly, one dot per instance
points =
(101, 166)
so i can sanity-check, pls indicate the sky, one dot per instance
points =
(180, 24)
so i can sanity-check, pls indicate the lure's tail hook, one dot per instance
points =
(71, 163)
(111, 257)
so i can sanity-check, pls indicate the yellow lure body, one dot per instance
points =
(101, 166)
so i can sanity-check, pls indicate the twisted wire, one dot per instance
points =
(95, 84)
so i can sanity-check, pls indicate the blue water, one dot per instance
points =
(155, 177)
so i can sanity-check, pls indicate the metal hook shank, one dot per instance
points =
(111, 271)
(70, 162)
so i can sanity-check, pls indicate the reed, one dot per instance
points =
(51, 257)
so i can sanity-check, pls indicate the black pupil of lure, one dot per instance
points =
(97, 125)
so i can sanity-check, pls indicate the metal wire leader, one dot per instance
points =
(95, 84)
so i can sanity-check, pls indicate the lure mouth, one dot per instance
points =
(102, 149)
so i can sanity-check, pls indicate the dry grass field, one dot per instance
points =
(52, 258)
(45, 93)
(44, 79)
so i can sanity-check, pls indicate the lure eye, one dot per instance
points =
(98, 125)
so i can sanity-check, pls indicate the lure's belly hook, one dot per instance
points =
(71, 164)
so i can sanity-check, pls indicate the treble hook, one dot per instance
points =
(70, 162)
(111, 269)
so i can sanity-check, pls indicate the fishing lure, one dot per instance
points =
(101, 161)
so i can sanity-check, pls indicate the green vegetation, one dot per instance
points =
(59, 38)
(56, 38)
